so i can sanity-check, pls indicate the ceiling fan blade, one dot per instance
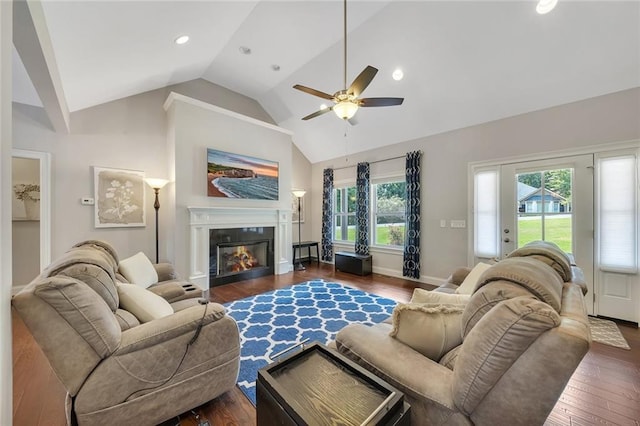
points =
(380, 102)
(362, 81)
(317, 113)
(313, 92)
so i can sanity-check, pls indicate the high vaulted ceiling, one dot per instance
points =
(465, 62)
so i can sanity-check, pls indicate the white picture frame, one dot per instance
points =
(119, 198)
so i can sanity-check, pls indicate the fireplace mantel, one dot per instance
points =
(202, 219)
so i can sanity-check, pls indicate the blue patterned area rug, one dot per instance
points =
(273, 321)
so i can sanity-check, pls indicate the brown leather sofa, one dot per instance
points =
(524, 332)
(115, 369)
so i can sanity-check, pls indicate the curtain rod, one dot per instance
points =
(370, 162)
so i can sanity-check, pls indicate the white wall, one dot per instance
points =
(198, 127)
(605, 119)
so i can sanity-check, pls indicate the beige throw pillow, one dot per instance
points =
(433, 330)
(421, 295)
(143, 304)
(471, 281)
(138, 270)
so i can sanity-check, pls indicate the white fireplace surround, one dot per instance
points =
(202, 219)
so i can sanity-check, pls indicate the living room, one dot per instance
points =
(135, 133)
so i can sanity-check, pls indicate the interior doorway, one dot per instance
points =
(31, 215)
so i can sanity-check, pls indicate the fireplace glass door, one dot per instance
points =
(234, 258)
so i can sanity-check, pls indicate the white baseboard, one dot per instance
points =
(426, 279)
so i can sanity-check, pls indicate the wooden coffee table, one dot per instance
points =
(318, 386)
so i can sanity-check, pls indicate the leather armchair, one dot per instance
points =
(146, 373)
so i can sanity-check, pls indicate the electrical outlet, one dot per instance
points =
(87, 201)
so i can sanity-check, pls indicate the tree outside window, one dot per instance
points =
(387, 213)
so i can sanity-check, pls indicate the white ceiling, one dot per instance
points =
(465, 62)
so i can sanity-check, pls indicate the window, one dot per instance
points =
(388, 213)
(485, 213)
(617, 213)
(344, 214)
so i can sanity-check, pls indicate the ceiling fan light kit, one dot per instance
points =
(546, 6)
(346, 102)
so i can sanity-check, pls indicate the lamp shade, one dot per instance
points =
(299, 192)
(345, 109)
(156, 183)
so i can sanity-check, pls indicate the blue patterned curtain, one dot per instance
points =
(411, 259)
(327, 215)
(363, 185)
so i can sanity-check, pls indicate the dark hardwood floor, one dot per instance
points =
(605, 389)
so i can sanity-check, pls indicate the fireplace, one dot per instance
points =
(237, 254)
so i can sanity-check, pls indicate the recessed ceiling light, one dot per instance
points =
(546, 6)
(245, 50)
(397, 74)
(182, 39)
(275, 67)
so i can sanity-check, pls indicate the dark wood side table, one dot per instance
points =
(319, 386)
(308, 245)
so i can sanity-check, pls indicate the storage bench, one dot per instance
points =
(353, 263)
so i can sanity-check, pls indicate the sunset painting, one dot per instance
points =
(240, 176)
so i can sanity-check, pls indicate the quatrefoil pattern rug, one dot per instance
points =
(317, 310)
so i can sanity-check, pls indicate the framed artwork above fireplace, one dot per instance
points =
(241, 176)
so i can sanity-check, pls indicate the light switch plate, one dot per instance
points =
(458, 224)
(443, 223)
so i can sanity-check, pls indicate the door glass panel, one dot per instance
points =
(543, 207)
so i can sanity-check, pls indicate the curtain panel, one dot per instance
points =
(327, 215)
(411, 258)
(363, 189)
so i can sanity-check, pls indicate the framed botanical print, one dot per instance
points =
(119, 197)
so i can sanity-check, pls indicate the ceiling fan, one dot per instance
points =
(347, 101)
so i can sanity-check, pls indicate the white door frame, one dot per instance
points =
(583, 245)
(45, 200)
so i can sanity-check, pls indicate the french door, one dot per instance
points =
(550, 200)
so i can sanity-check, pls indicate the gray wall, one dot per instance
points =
(193, 129)
(26, 233)
(301, 179)
(601, 120)
(128, 133)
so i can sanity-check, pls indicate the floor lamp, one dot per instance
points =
(299, 193)
(156, 184)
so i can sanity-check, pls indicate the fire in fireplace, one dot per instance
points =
(242, 257)
(240, 253)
